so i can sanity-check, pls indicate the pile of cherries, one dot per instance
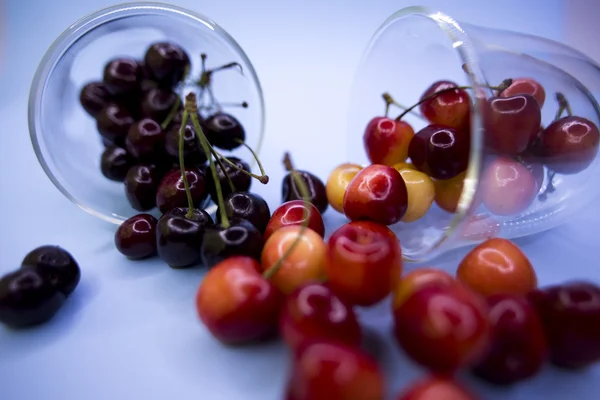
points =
(34, 293)
(432, 162)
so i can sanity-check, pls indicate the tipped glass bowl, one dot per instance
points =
(64, 136)
(510, 186)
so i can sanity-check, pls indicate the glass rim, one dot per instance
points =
(80, 28)
(463, 45)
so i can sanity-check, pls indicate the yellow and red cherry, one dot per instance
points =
(295, 212)
(421, 193)
(526, 86)
(338, 181)
(386, 141)
(418, 279)
(450, 108)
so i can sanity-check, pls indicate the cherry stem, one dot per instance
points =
(262, 170)
(549, 188)
(242, 105)
(304, 192)
(389, 100)
(264, 179)
(192, 108)
(186, 184)
(227, 66)
(563, 105)
(503, 85)
(229, 181)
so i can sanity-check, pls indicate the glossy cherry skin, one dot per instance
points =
(27, 298)
(418, 279)
(421, 193)
(167, 62)
(306, 263)
(313, 312)
(364, 262)
(236, 304)
(145, 140)
(249, 206)
(179, 238)
(192, 150)
(526, 86)
(568, 145)
(327, 370)
(171, 190)
(56, 265)
(95, 96)
(570, 313)
(224, 131)
(141, 184)
(113, 123)
(386, 141)
(448, 192)
(508, 187)
(122, 75)
(377, 193)
(440, 151)
(157, 103)
(338, 182)
(295, 212)
(443, 327)
(436, 388)
(135, 238)
(518, 348)
(511, 123)
(316, 190)
(241, 238)
(450, 108)
(497, 266)
(115, 162)
(241, 181)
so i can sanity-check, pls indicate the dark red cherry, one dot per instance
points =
(122, 75)
(249, 206)
(136, 237)
(157, 103)
(95, 96)
(511, 123)
(570, 314)
(146, 140)
(113, 123)
(27, 298)
(568, 145)
(193, 154)
(167, 62)
(241, 181)
(224, 131)
(115, 162)
(316, 188)
(440, 151)
(141, 184)
(56, 265)
(179, 238)
(241, 238)
(171, 191)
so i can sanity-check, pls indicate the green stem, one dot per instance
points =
(505, 83)
(186, 184)
(264, 179)
(304, 192)
(172, 113)
(262, 170)
(216, 156)
(192, 108)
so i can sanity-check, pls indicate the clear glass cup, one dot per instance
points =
(65, 137)
(508, 190)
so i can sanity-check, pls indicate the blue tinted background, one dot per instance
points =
(130, 331)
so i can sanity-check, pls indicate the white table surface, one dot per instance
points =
(130, 330)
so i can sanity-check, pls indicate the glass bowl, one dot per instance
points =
(65, 137)
(516, 178)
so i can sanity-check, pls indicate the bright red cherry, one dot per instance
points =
(440, 151)
(568, 145)
(386, 140)
(313, 311)
(236, 304)
(511, 123)
(436, 388)
(450, 108)
(518, 347)
(377, 193)
(325, 370)
(570, 314)
(295, 212)
(443, 327)
(363, 262)
(526, 86)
